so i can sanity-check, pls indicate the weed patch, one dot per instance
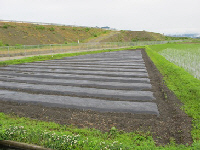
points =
(40, 27)
(52, 29)
(55, 136)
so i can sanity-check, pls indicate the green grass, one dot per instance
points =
(57, 136)
(52, 135)
(184, 85)
(195, 41)
(178, 46)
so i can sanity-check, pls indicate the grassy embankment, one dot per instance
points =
(12, 34)
(52, 135)
(134, 36)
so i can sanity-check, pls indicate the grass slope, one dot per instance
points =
(30, 34)
(12, 33)
(134, 36)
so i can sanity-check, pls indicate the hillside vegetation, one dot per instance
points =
(133, 36)
(12, 33)
(31, 34)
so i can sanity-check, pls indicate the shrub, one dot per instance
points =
(134, 39)
(94, 34)
(18, 44)
(74, 29)
(5, 26)
(87, 29)
(40, 27)
(52, 29)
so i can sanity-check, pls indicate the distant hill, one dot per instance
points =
(12, 33)
(192, 35)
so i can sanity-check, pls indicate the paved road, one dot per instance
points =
(111, 81)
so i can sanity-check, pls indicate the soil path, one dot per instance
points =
(121, 89)
(103, 37)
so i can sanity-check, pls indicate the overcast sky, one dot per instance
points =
(163, 16)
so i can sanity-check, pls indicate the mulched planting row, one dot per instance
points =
(122, 89)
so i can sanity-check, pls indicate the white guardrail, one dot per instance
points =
(30, 50)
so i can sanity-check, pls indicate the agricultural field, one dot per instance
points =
(177, 127)
(186, 56)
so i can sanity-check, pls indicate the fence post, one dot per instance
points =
(8, 53)
(51, 49)
(24, 51)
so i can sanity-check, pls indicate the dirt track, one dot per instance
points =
(136, 99)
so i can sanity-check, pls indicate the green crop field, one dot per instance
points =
(185, 56)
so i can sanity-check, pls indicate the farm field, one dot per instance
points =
(185, 56)
(75, 82)
(119, 130)
(99, 75)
